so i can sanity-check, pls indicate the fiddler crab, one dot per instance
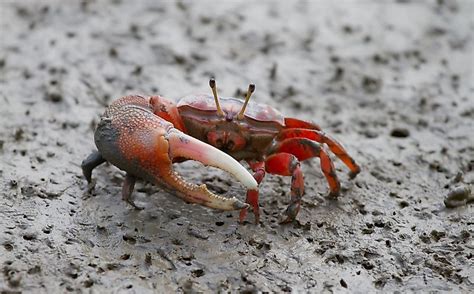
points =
(145, 136)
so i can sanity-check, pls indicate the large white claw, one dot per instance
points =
(183, 145)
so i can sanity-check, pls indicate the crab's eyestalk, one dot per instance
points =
(212, 84)
(250, 90)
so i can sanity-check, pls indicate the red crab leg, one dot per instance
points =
(286, 164)
(303, 149)
(297, 123)
(252, 195)
(321, 137)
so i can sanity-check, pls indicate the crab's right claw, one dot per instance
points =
(185, 146)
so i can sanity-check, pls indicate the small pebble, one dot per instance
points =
(459, 196)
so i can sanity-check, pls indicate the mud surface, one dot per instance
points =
(392, 81)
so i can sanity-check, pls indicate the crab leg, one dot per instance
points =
(297, 123)
(303, 149)
(283, 164)
(321, 137)
(286, 164)
(252, 195)
(127, 189)
(91, 162)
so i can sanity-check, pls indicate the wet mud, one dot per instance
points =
(393, 82)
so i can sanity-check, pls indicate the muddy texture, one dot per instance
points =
(392, 81)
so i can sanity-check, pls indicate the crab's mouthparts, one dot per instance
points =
(185, 146)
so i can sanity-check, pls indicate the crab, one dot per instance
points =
(134, 139)
(204, 127)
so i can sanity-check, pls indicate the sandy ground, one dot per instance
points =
(392, 81)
